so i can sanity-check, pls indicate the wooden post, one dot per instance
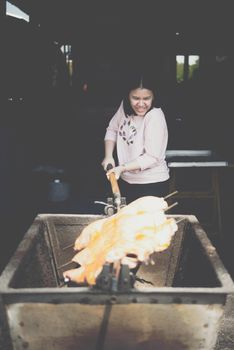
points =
(186, 67)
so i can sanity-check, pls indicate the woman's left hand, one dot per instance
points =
(117, 171)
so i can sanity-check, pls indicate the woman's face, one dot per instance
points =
(141, 101)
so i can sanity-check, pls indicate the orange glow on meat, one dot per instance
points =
(138, 229)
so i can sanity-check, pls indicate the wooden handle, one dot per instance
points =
(113, 181)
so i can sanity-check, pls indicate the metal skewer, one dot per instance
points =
(171, 194)
(171, 206)
(182, 219)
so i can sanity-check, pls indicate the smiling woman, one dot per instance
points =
(139, 132)
(141, 101)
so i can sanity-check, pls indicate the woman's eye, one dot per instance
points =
(134, 98)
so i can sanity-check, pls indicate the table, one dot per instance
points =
(187, 162)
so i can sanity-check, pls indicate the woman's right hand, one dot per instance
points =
(108, 160)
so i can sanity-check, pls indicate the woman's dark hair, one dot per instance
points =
(141, 81)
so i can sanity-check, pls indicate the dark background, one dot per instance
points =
(51, 129)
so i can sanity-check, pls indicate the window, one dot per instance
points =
(67, 51)
(186, 65)
(179, 69)
(193, 63)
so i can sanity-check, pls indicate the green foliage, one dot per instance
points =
(180, 70)
(193, 68)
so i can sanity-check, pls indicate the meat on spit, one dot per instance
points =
(130, 237)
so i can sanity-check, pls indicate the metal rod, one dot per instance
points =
(69, 246)
(64, 284)
(100, 202)
(182, 219)
(171, 206)
(103, 328)
(171, 194)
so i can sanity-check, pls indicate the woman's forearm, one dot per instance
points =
(109, 148)
(124, 167)
(130, 166)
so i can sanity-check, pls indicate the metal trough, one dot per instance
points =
(181, 309)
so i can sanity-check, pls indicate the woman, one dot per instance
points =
(139, 131)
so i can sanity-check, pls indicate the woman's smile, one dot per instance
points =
(141, 100)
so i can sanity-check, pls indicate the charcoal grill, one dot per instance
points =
(180, 308)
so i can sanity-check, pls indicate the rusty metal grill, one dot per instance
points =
(181, 309)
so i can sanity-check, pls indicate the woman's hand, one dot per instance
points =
(117, 171)
(108, 160)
